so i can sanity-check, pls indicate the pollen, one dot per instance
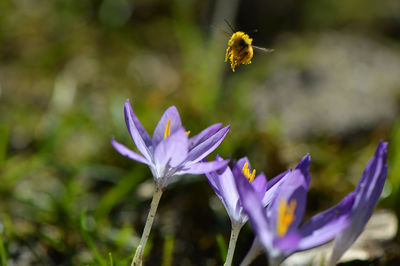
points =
(285, 216)
(239, 50)
(188, 133)
(167, 130)
(246, 172)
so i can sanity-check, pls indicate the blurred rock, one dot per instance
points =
(380, 228)
(334, 84)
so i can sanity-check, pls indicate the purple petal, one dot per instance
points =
(274, 184)
(227, 187)
(203, 149)
(294, 187)
(367, 194)
(304, 166)
(260, 185)
(213, 179)
(137, 132)
(371, 184)
(223, 183)
(288, 243)
(205, 167)
(237, 168)
(240, 217)
(219, 158)
(172, 150)
(300, 195)
(260, 181)
(255, 210)
(203, 135)
(273, 187)
(240, 163)
(172, 114)
(123, 150)
(276, 179)
(324, 226)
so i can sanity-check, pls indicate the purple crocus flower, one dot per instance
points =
(170, 152)
(278, 226)
(223, 183)
(367, 193)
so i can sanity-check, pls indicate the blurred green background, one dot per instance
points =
(331, 89)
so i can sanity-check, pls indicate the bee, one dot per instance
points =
(240, 48)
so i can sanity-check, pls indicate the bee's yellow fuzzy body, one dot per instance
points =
(240, 50)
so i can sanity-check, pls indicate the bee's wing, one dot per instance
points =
(261, 49)
(221, 30)
(229, 25)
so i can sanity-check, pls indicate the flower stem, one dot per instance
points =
(137, 259)
(232, 243)
(253, 253)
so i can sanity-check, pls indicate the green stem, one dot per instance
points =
(137, 259)
(253, 253)
(232, 243)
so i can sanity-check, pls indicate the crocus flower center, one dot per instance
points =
(285, 216)
(247, 174)
(167, 130)
(188, 133)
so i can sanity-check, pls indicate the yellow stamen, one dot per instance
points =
(188, 133)
(246, 172)
(285, 216)
(167, 130)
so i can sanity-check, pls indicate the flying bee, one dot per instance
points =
(240, 48)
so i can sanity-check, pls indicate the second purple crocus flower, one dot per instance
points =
(223, 184)
(277, 227)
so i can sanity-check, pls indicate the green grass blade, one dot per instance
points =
(89, 241)
(168, 250)
(4, 136)
(110, 259)
(3, 257)
(117, 193)
(222, 247)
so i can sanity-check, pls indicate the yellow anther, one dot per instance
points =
(188, 133)
(167, 130)
(285, 216)
(246, 172)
